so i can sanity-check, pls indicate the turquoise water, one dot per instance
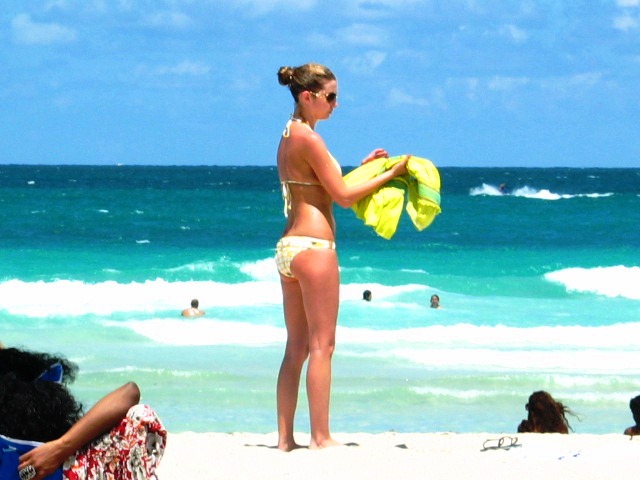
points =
(540, 289)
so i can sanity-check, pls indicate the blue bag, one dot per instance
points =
(10, 451)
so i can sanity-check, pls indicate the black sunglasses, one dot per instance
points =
(329, 97)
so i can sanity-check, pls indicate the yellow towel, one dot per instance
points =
(382, 208)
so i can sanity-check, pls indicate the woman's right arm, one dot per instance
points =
(332, 181)
(102, 417)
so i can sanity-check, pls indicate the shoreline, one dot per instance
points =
(207, 456)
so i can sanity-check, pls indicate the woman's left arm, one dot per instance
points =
(103, 416)
(377, 153)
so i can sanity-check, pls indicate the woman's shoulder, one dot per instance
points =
(304, 135)
(306, 146)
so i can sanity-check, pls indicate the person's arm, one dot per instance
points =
(103, 416)
(344, 195)
(377, 153)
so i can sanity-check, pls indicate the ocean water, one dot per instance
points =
(540, 289)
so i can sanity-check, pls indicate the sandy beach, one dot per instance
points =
(208, 456)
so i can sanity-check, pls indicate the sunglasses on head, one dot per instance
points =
(330, 97)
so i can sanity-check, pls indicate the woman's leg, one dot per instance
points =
(296, 352)
(319, 282)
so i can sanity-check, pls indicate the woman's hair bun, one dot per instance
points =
(285, 75)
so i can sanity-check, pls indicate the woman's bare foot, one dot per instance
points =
(326, 443)
(288, 446)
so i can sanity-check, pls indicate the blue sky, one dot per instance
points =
(536, 83)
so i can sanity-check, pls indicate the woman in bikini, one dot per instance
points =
(311, 182)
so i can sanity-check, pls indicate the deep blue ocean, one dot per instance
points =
(540, 289)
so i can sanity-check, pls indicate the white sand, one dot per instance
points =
(404, 456)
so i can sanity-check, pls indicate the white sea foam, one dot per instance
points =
(72, 297)
(455, 393)
(521, 360)
(485, 189)
(569, 349)
(616, 281)
(381, 294)
(610, 349)
(614, 337)
(75, 298)
(196, 267)
(261, 270)
(205, 332)
(545, 194)
(529, 192)
(489, 394)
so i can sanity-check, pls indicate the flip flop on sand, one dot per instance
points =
(502, 443)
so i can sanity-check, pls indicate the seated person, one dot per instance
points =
(634, 405)
(194, 311)
(117, 438)
(546, 415)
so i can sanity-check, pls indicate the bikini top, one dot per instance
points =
(286, 191)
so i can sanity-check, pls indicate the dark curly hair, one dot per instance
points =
(546, 415)
(634, 405)
(32, 409)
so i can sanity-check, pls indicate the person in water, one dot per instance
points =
(193, 311)
(311, 181)
(366, 295)
(435, 301)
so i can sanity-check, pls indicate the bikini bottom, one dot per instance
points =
(288, 247)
